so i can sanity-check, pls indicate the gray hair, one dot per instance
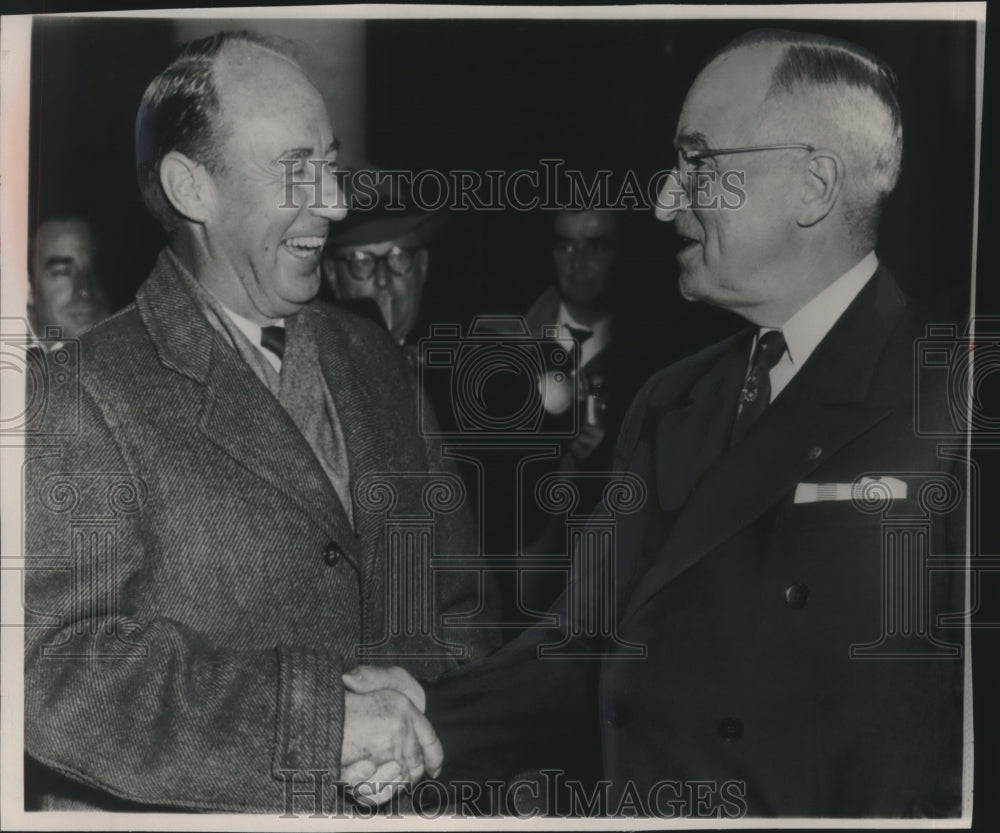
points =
(851, 94)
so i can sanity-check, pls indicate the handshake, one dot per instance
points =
(387, 743)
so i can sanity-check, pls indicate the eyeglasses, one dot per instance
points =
(361, 264)
(687, 159)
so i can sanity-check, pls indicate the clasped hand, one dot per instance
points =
(387, 740)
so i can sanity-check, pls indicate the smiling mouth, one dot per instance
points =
(304, 247)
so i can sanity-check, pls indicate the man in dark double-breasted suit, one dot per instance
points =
(777, 646)
(213, 619)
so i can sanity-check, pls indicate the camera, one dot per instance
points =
(953, 371)
(43, 368)
(499, 381)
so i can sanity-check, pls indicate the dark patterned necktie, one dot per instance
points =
(273, 339)
(756, 392)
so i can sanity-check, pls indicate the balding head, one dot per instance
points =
(180, 111)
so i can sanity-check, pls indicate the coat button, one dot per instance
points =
(730, 729)
(332, 553)
(796, 596)
(291, 760)
(814, 453)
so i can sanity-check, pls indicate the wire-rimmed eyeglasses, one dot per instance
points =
(687, 159)
(362, 264)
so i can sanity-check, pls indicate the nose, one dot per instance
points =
(81, 283)
(382, 276)
(672, 199)
(331, 204)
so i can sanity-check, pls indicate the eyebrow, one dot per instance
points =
(305, 153)
(59, 260)
(694, 139)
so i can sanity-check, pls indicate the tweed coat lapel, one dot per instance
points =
(368, 446)
(237, 413)
(824, 407)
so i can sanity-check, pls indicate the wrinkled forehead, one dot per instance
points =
(583, 224)
(725, 105)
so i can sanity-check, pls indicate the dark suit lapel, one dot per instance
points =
(239, 414)
(689, 438)
(823, 408)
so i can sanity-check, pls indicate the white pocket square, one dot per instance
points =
(883, 487)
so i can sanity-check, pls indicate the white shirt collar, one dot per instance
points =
(808, 327)
(600, 333)
(252, 331)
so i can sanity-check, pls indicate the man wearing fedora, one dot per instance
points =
(375, 263)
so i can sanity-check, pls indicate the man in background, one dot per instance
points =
(381, 257)
(66, 282)
(588, 304)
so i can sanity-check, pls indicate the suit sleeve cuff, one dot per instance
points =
(310, 714)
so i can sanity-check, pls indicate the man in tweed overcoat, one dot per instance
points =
(207, 537)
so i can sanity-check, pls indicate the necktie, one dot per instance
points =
(273, 339)
(756, 392)
(579, 334)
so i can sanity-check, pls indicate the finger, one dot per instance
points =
(403, 682)
(362, 770)
(376, 788)
(360, 681)
(389, 771)
(368, 678)
(433, 752)
(412, 755)
(366, 792)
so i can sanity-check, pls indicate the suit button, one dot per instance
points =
(332, 553)
(292, 760)
(730, 729)
(796, 596)
(619, 714)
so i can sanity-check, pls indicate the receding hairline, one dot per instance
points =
(226, 65)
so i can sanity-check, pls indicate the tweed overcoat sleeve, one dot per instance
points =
(194, 591)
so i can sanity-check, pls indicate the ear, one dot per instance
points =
(188, 186)
(823, 181)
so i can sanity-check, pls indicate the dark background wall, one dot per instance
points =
(504, 95)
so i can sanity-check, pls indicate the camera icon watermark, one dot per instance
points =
(952, 369)
(503, 381)
(45, 368)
